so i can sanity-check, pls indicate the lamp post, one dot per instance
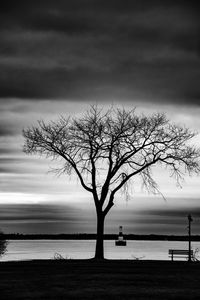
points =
(189, 236)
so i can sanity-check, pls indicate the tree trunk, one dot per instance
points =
(99, 252)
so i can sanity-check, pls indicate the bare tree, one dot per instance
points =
(106, 149)
(3, 244)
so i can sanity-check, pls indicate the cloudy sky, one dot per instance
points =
(58, 57)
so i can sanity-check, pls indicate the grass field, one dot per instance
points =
(90, 279)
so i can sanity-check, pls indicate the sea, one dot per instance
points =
(84, 249)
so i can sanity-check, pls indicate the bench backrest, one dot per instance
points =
(180, 252)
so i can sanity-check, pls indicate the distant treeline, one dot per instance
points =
(91, 236)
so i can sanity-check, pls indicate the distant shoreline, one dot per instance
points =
(88, 236)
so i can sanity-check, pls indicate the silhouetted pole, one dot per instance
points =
(189, 236)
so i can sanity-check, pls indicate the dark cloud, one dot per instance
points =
(178, 214)
(160, 220)
(88, 50)
(37, 212)
(8, 128)
(23, 174)
(147, 50)
(5, 150)
(45, 218)
(18, 160)
(57, 218)
(6, 131)
(5, 170)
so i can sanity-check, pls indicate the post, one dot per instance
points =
(189, 236)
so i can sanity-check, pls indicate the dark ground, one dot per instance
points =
(109, 279)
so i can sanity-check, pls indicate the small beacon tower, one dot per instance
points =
(120, 241)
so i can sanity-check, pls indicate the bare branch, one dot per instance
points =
(106, 149)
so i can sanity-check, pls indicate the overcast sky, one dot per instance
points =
(58, 57)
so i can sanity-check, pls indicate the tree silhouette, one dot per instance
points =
(106, 149)
(3, 244)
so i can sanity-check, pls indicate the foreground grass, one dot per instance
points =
(109, 279)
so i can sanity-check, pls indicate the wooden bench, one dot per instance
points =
(180, 253)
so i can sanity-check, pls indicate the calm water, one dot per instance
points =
(46, 249)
